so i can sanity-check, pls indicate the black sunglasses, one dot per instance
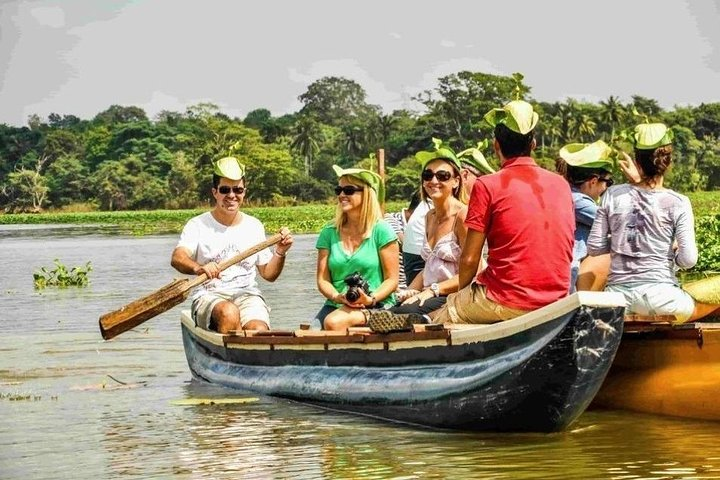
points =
(442, 175)
(347, 190)
(608, 181)
(226, 189)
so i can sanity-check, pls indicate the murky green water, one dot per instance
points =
(65, 415)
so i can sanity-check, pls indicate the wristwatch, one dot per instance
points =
(435, 288)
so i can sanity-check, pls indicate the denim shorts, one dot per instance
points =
(655, 299)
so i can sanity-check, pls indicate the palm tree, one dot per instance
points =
(567, 112)
(353, 140)
(585, 127)
(385, 125)
(613, 113)
(305, 141)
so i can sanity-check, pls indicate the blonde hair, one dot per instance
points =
(370, 212)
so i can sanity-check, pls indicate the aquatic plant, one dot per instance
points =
(61, 277)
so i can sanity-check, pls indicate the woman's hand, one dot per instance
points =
(420, 298)
(363, 301)
(629, 168)
(404, 294)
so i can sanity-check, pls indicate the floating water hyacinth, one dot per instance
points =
(61, 277)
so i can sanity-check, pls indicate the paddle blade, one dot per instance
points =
(135, 313)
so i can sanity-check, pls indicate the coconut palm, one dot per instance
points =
(305, 141)
(585, 127)
(613, 113)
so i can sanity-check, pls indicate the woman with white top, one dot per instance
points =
(445, 232)
(649, 232)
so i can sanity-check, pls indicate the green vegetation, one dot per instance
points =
(123, 160)
(61, 277)
(300, 219)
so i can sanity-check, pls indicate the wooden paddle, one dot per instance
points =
(135, 313)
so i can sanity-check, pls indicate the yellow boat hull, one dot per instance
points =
(666, 370)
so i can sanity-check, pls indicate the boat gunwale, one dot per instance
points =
(455, 335)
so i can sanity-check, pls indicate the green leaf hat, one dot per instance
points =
(517, 115)
(649, 136)
(441, 151)
(367, 177)
(587, 155)
(474, 158)
(229, 167)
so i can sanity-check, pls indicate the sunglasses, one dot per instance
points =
(441, 175)
(347, 190)
(608, 181)
(226, 189)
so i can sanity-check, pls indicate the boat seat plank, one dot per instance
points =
(407, 336)
(275, 333)
(323, 337)
(320, 333)
(285, 340)
(650, 318)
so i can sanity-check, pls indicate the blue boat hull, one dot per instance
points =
(539, 378)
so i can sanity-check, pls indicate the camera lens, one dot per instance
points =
(352, 294)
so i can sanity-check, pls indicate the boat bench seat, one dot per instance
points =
(352, 335)
(649, 318)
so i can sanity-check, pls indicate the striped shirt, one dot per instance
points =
(397, 221)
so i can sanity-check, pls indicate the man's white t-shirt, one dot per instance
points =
(210, 241)
(415, 229)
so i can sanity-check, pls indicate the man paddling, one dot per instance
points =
(231, 299)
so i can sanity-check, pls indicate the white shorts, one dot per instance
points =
(655, 299)
(252, 307)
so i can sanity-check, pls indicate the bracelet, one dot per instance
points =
(374, 300)
(281, 255)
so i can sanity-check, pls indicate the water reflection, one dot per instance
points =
(79, 427)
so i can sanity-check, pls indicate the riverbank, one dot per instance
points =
(299, 219)
(311, 218)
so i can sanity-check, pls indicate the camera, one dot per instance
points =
(355, 283)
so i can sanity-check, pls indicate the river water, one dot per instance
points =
(73, 406)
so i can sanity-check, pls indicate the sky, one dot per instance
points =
(81, 56)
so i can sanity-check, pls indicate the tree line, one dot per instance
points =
(123, 160)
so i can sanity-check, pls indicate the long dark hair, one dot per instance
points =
(654, 163)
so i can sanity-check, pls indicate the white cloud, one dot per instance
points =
(49, 16)
(82, 57)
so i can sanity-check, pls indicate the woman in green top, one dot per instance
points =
(359, 240)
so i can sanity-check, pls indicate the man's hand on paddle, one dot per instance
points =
(211, 269)
(285, 243)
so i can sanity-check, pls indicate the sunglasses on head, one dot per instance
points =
(225, 189)
(347, 189)
(441, 175)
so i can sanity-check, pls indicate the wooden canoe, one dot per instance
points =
(667, 370)
(537, 372)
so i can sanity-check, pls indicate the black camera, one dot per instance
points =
(356, 283)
